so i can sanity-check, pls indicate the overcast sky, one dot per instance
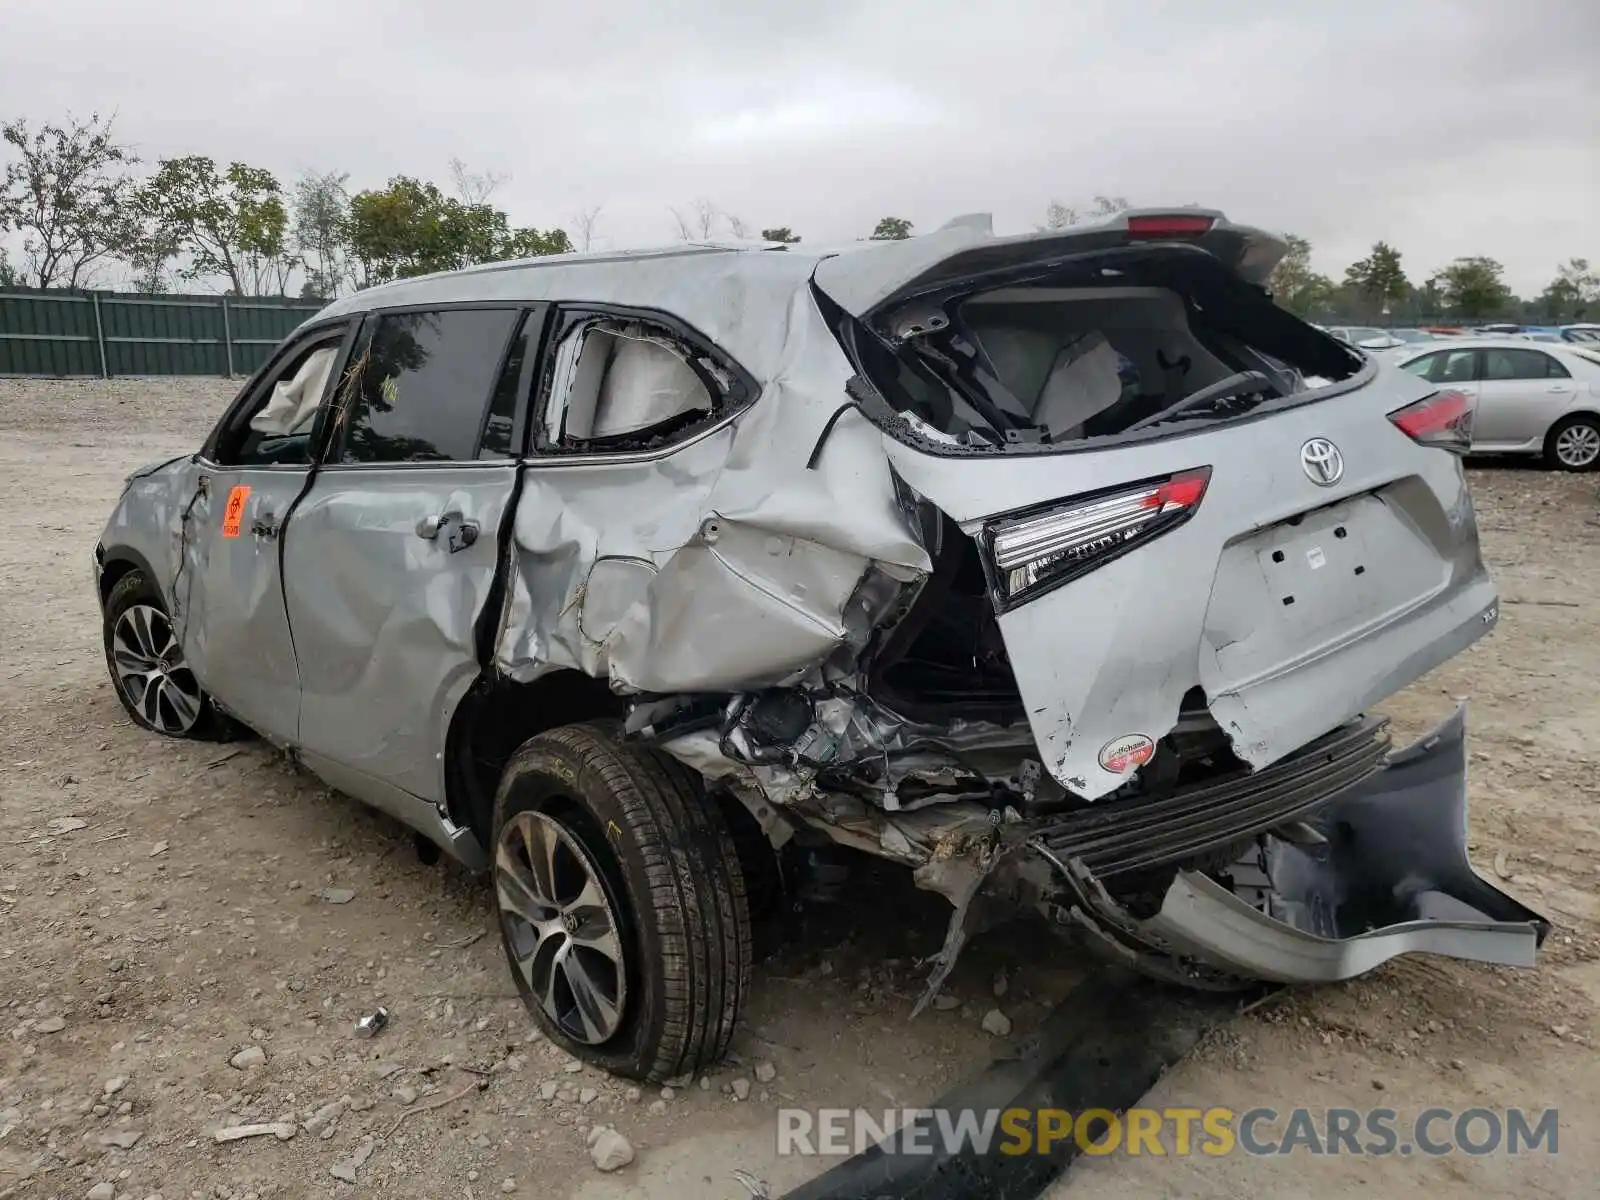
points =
(1446, 128)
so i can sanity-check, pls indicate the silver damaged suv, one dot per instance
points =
(1061, 569)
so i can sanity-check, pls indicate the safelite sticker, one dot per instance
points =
(1123, 754)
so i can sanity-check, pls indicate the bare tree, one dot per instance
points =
(320, 207)
(1059, 216)
(474, 187)
(737, 226)
(704, 214)
(69, 195)
(685, 229)
(584, 222)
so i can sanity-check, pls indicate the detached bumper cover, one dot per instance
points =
(1393, 879)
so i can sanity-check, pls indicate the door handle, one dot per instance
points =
(462, 533)
(265, 526)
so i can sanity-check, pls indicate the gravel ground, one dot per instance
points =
(165, 923)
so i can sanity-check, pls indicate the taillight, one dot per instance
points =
(1443, 419)
(1169, 225)
(1033, 554)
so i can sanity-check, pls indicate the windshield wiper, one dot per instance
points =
(1245, 383)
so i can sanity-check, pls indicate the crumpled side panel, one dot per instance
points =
(722, 566)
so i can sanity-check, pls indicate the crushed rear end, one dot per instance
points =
(1181, 542)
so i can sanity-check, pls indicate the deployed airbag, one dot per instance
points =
(294, 401)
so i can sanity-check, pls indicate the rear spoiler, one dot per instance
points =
(877, 274)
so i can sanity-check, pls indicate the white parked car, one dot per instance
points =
(1527, 398)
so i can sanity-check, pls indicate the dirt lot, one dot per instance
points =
(186, 920)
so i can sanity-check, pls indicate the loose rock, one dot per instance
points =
(765, 1072)
(741, 1089)
(250, 1056)
(996, 1023)
(335, 895)
(114, 1085)
(405, 1094)
(102, 1191)
(346, 1169)
(282, 1130)
(122, 1139)
(49, 1025)
(610, 1151)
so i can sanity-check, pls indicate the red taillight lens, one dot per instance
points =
(1180, 492)
(1032, 554)
(1169, 225)
(1443, 419)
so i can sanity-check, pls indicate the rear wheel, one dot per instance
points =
(1574, 443)
(621, 903)
(148, 668)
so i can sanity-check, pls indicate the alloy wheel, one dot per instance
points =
(560, 926)
(152, 672)
(1578, 446)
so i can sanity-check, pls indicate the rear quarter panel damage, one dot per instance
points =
(722, 565)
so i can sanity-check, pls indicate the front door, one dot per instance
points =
(228, 592)
(392, 554)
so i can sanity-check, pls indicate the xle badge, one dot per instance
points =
(1123, 754)
(233, 513)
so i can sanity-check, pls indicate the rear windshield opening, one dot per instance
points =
(1149, 344)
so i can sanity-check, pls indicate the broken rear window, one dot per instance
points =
(1132, 341)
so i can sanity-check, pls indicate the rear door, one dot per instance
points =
(1522, 392)
(228, 594)
(392, 553)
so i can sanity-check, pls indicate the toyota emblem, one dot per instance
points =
(1322, 462)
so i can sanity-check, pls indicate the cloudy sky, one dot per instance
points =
(1446, 127)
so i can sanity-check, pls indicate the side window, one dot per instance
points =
(276, 424)
(1521, 364)
(620, 383)
(1425, 366)
(421, 386)
(502, 433)
(1444, 366)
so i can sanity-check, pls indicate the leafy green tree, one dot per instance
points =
(232, 222)
(892, 229)
(781, 234)
(67, 193)
(533, 243)
(1378, 281)
(1474, 287)
(412, 228)
(1572, 293)
(1294, 285)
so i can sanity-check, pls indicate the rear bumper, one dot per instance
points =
(1393, 878)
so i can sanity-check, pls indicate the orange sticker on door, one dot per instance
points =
(233, 514)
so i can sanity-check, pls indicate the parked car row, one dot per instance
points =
(1372, 337)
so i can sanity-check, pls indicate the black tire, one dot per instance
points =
(134, 590)
(670, 872)
(1580, 421)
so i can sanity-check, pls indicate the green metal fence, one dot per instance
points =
(117, 333)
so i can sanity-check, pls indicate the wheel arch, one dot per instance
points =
(495, 717)
(116, 562)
